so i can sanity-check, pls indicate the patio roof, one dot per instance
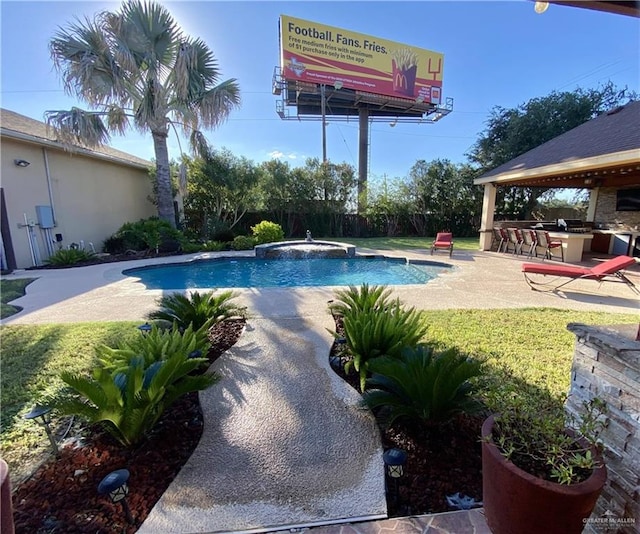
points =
(620, 7)
(602, 152)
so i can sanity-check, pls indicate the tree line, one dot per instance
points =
(135, 67)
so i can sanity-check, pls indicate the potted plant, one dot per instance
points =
(542, 469)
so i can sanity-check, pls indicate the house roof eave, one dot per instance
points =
(32, 139)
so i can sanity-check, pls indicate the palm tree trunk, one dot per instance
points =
(166, 210)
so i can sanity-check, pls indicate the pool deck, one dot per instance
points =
(272, 457)
(482, 280)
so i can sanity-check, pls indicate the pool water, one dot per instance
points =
(252, 272)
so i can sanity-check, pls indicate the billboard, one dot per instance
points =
(320, 54)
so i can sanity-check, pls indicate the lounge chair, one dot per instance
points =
(610, 269)
(443, 240)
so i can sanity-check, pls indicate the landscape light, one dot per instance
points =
(145, 328)
(41, 416)
(394, 461)
(115, 485)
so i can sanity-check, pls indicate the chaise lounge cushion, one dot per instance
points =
(602, 269)
(610, 269)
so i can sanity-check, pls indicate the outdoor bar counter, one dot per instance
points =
(573, 244)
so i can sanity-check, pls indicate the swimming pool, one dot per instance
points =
(254, 272)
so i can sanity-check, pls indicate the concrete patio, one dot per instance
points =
(482, 280)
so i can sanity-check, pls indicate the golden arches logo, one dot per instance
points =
(400, 80)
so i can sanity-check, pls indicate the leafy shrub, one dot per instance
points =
(190, 247)
(146, 234)
(129, 403)
(380, 332)
(534, 437)
(213, 246)
(267, 232)
(114, 244)
(357, 299)
(421, 386)
(219, 231)
(157, 345)
(224, 236)
(68, 256)
(243, 242)
(201, 311)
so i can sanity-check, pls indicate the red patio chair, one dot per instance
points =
(443, 240)
(515, 238)
(545, 241)
(612, 268)
(531, 241)
(500, 237)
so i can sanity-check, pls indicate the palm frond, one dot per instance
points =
(216, 104)
(78, 126)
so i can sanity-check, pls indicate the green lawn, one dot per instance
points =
(10, 290)
(32, 358)
(399, 243)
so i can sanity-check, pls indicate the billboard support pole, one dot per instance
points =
(324, 123)
(363, 157)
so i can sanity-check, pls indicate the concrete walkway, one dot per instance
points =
(285, 441)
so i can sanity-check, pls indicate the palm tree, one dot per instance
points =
(135, 66)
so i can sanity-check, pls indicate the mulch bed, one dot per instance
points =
(109, 258)
(62, 497)
(442, 459)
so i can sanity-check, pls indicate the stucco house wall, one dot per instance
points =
(92, 194)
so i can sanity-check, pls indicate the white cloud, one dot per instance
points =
(278, 154)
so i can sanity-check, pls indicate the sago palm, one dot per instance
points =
(421, 385)
(135, 67)
(380, 332)
(129, 403)
(360, 299)
(198, 310)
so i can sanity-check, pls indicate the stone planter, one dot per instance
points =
(516, 502)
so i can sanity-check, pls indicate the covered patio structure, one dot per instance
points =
(601, 155)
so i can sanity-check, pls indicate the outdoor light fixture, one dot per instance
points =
(22, 162)
(394, 461)
(340, 357)
(420, 99)
(337, 85)
(541, 7)
(115, 485)
(393, 123)
(41, 416)
(145, 328)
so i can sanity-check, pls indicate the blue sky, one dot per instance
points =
(495, 53)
